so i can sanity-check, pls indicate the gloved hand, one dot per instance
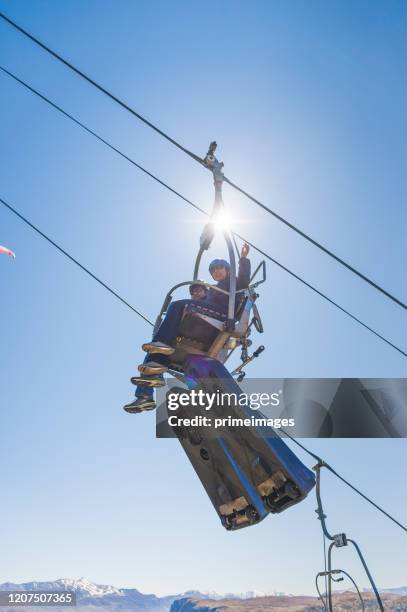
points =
(245, 250)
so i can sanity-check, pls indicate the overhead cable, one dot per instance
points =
(326, 465)
(188, 201)
(200, 161)
(75, 261)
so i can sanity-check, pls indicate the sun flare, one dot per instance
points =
(222, 221)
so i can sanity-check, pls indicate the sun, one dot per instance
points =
(222, 221)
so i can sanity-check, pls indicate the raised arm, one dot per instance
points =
(243, 277)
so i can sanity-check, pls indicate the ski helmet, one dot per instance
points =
(195, 286)
(218, 263)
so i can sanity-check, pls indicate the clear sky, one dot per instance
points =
(307, 102)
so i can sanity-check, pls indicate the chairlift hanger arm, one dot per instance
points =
(338, 540)
(216, 167)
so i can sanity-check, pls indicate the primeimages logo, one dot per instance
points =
(202, 399)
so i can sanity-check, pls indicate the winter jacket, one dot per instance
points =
(219, 300)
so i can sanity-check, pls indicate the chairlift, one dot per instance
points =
(247, 472)
(204, 330)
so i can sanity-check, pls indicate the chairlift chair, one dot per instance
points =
(250, 473)
(203, 329)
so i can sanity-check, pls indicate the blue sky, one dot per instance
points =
(307, 102)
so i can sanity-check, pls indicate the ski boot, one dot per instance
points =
(158, 347)
(148, 381)
(140, 404)
(152, 368)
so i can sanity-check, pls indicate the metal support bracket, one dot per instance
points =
(338, 540)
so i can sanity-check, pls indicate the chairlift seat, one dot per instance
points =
(204, 324)
(201, 323)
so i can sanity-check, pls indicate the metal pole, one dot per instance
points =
(338, 540)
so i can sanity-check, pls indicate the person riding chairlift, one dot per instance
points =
(163, 342)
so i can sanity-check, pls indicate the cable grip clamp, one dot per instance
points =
(340, 540)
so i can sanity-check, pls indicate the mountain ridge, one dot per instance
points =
(92, 596)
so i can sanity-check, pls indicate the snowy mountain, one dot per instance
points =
(90, 594)
(396, 590)
(92, 597)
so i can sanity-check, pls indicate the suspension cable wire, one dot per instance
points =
(325, 297)
(335, 473)
(365, 497)
(177, 193)
(235, 244)
(103, 284)
(75, 261)
(318, 245)
(98, 86)
(200, 160)
(246, 194)
(87, 129)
